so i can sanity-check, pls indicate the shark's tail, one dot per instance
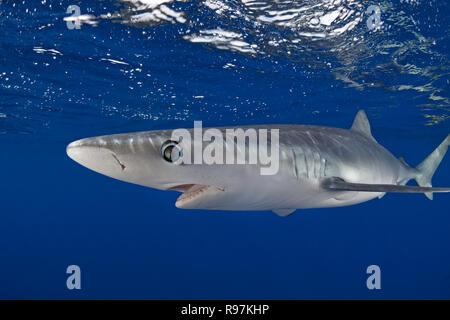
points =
(423, 173)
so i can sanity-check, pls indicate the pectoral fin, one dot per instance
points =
(337, 184)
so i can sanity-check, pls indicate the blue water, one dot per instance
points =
(120, 73)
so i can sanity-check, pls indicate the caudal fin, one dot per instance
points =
(428, 166)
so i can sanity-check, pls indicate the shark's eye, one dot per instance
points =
(171, 151)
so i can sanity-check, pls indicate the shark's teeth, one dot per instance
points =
(191, 192)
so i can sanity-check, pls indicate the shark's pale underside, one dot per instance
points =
(318, 167)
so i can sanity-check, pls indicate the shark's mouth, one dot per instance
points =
(191, 192)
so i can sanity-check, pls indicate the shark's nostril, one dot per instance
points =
(99, 155)
(118, 161)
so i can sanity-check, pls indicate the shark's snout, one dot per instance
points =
(73, 150)
(95, 155)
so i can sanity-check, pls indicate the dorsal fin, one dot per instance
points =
(403, 162)
(362, 125)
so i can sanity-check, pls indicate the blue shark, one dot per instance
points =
(319, 167)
